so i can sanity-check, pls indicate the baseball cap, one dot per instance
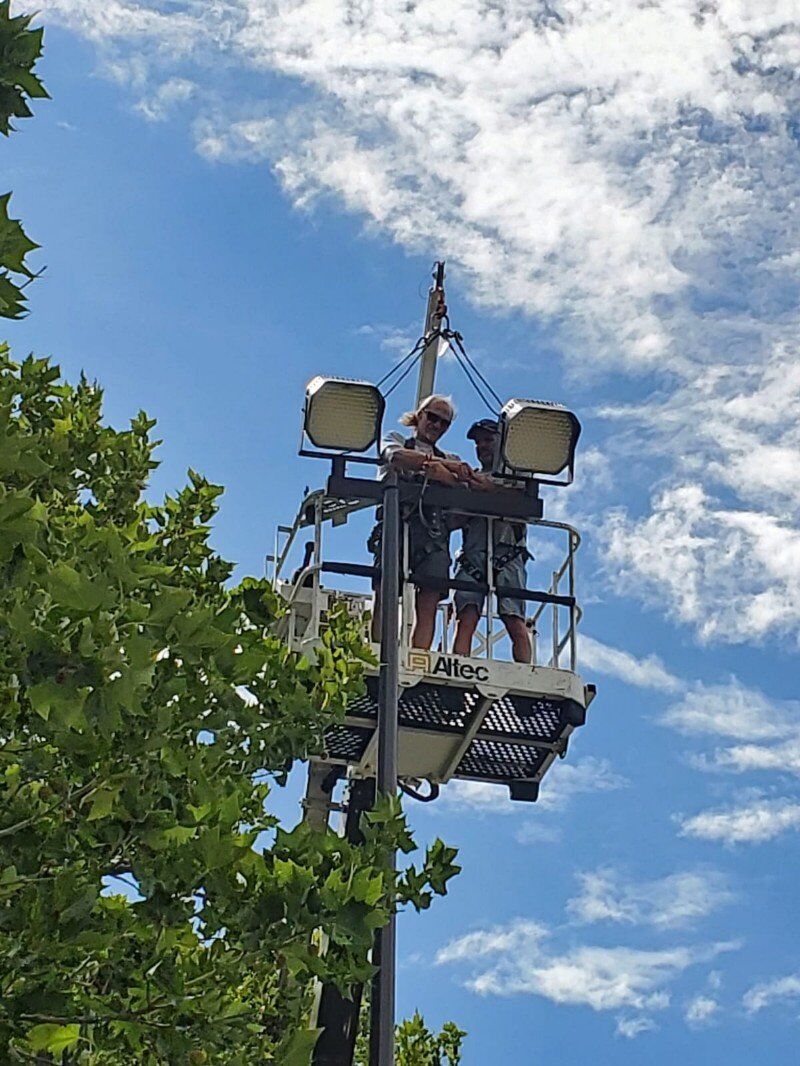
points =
(485, 425)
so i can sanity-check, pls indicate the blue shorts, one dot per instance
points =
(513, 574)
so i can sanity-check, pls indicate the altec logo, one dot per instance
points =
(447, 666)
(419, 660)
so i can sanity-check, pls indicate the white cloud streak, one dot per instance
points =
(562, 784)
(480, 797)
(767, 993)
(630, 1028)
(641, 672)
(743, 758)
(566, 780)
(753, 823)
(672, 902)
(167, 97)
(732, 574)
(701, 1011)
(602, 978)
(493, 941)
(734, 712)
(731, 710)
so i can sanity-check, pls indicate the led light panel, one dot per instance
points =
(343, 415)
(539, 438)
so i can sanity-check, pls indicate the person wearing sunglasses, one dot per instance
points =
(419, 457)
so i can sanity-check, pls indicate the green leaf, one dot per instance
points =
(20, 48)
(75, 591)
(51, 1037)
(64, 700)
(14, 244)
(102, 804)
(12, 298)
(297, 1049)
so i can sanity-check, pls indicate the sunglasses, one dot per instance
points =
(438, 420)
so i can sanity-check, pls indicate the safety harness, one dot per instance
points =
(508, 554)
(432, 518)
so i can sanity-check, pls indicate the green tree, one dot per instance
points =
(415, 1044)
(145, 707)
(20, 48)
(418, 1046)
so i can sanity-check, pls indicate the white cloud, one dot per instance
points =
(503, 103)
(566, 780)
(759, 821)
(536, 833)
(493, 941)
(731, 710)
(726, 710)
(115, 20)
(563, 782)
(624, 172)
(700, 1011)
(594, 475)
(780, 990)
(733, 575)
(169, 95)
(739, 713)
(741, 758)
(642, 672)
(671, 902)
(602, 978)
(720, 545)
(630, 1028)
(483, 797)
(391, 338)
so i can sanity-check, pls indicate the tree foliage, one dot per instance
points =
(20, 49)
(418, 1046)
(145, 709)
(415, 1043)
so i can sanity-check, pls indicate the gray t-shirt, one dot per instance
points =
(395, 442)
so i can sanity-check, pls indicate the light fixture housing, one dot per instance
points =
(342, 415)
(538, 437)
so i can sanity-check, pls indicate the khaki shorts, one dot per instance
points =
(513, 574)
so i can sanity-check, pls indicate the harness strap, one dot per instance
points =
(499, 562)
(431, 517)
(411, 444)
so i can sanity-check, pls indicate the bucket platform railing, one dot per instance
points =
(476, 717)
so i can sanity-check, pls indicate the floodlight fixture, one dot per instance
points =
(343, 415)
(539, 437)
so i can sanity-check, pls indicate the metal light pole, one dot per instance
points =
(381, 1044)
(382, 1008)
(435, 346)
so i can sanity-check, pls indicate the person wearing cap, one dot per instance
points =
(417, 456)
(509, 556)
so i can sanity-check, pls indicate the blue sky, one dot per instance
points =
(234, 196)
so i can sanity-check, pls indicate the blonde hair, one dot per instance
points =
(411, 418)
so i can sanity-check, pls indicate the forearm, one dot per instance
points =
(488, 484)
(408, 460)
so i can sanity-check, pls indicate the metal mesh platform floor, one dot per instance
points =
(515, 740)
(450, 709)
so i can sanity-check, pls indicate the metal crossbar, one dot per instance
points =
(453, 584)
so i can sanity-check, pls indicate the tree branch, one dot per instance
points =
(81, 793)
